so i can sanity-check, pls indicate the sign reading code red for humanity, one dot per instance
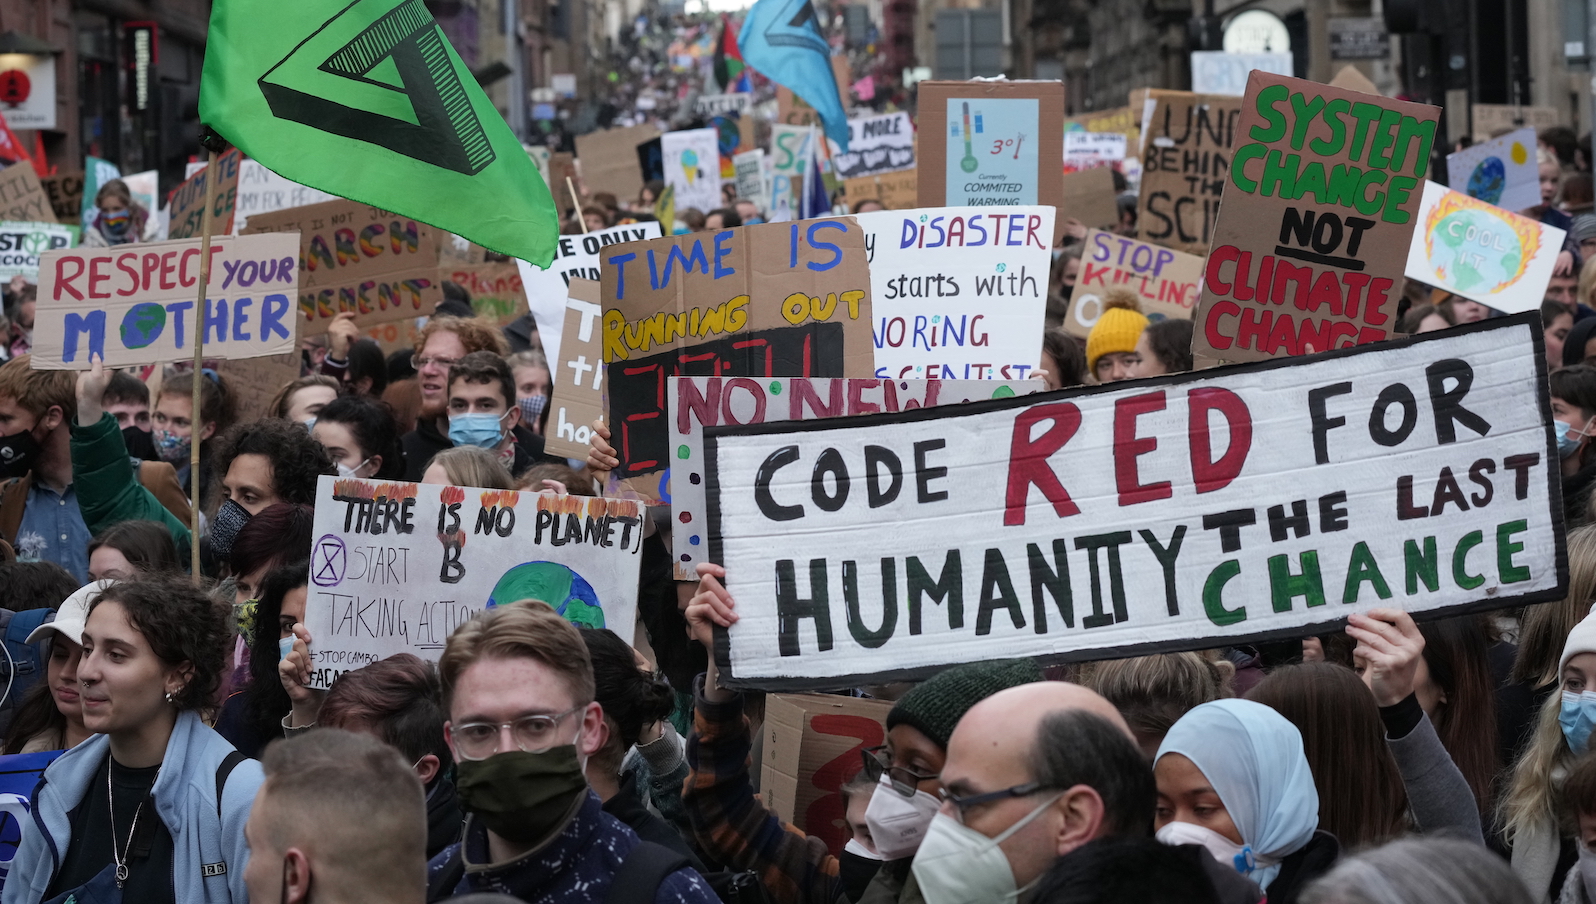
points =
(1225, 506)
(1312, 239)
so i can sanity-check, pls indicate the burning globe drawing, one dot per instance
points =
(568, 592)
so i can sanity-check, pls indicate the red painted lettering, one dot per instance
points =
(1128, 447)
(1028, 459)
(1207, 473)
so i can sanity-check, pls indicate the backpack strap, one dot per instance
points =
(229, 763)
(641, 873)
(26, 622)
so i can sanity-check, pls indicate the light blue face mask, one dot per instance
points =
(480, 430)
(1568, 439)
(1577, 716)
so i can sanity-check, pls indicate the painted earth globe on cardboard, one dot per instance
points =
(568, 592)
(1488, 180)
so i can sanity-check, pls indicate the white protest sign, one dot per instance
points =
(262, 191)
(575, 257)
(699, 402)
(692, 167)
(750, 168)
(21, 245)
(134, 304)
(722, 104)
(1221, 507)
(1088, 150)
(1219, 72)
(958, 293)
(791, 150)
(1476, 250)
(1501, 171)
(876, 145)
(396, 567)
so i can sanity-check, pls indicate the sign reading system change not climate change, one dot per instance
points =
(1175, 513)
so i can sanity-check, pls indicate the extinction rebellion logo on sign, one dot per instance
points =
(21, 244)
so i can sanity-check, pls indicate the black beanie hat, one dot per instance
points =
(936, 705)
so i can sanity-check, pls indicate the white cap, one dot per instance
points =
(72, 615)
(1580, 640)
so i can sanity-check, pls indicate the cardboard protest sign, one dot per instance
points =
(1186, 154)
(1164, 280)
(692, 167)
(1123, 120)
(1089, 197)
(609, 160)
(699, 402)
(1087, 150)
(577, 399)
(134, 304)
(1222, 72)
(750, 169)
(1352, 78)
(22, 197)
(575, 257)
(21, 245)
(66, 196)
(992, 144)
(262, 191)
(876, 145)
(187, 205)
(792, 150)
(958, 293)
(895, 191)
(1493, 119)
(1196, 510)
(359, 258)
(721, 104)
(775, 300)
(494, 286)
(1322, 197)
(396, 567)
(812, 748)
(1472, 249)
(1501, 171)
(253, 382)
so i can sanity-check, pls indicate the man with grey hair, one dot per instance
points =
(340, 819)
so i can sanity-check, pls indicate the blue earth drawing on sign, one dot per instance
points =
(568, 592)
(1488, 180)
(142, 325)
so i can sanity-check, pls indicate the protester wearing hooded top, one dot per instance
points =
(1232, 776)
(1032, 773)
(1111, 344)
(519, 689)
(174, 425)
(633, 698)
(735, 828)
(483, 412)
(338, 820)
(51, 716)
(361, 437)
(259, 713)
(118, 219)
(1418, 871)
(1532, 810)
(302, 399)
(263, 463)
(1153, 692)
(440, 345)
(154, 805)
(1573, 391)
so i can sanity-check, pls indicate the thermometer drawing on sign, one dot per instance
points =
(969, 163)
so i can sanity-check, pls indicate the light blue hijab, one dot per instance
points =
(1252, 756)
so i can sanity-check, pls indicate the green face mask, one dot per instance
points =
(522, 796)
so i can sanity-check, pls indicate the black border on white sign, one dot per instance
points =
(1530, 319)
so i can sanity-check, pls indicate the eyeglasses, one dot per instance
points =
(532, 734)
(877, 762)
(419, 363)
(960, 804)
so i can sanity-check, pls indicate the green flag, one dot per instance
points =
(369, 102)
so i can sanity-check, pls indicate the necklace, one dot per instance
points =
(121, 862)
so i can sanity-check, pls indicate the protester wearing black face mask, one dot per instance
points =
(519, 690)
(39, 513)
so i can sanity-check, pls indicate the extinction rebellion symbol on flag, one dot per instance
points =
(395, 83)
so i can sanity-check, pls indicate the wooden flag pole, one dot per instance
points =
(199, 364)
(576, 201)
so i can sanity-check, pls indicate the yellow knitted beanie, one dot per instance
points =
(1117, 328)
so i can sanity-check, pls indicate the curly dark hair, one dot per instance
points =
(1170, 341)
(181, 624)
(296, 459)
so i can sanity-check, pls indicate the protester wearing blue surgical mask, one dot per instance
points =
(1233, 777)
(1573, 396)
(483, 411)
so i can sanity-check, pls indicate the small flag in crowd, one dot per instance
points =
(782, 40)
(369, 101)
(730, 69)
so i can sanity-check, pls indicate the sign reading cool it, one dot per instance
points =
(138, 306)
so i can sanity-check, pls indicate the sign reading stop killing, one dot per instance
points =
(1312, 239)
(1225, 506)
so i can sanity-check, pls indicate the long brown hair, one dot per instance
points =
(1545, 627)
(1362, 800)
(1456, 651)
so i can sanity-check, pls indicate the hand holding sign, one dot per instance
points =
(712, 607)
(1388, 652)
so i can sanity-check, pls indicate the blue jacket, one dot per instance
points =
(208, 854)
